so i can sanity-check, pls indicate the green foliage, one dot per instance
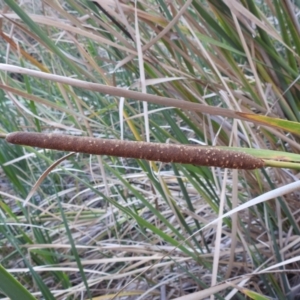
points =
(11, 287)
(96, 226)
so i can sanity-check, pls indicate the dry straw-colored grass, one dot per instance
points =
(177, 72)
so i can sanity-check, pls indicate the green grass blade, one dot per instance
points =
(12, 288)
(74, 251)
(42, 35)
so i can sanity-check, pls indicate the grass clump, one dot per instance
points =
(214, 73)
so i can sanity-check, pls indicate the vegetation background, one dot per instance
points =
(100, 227)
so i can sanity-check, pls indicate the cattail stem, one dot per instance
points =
(185, 154)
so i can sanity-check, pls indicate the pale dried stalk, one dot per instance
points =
(169, 153)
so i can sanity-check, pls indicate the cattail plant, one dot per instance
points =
(169, 153)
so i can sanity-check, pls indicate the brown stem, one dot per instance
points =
(185, 154)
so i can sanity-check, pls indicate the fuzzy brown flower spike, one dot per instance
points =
(184, 154)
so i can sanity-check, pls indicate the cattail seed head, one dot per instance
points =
(185, 154)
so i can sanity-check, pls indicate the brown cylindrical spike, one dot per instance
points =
(185, 154)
